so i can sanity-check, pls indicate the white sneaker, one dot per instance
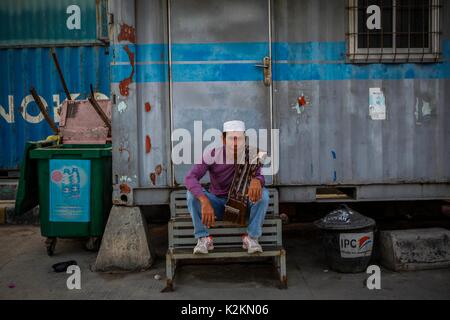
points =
(251, 245)
(203, 245)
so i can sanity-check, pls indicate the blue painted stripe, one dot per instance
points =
(282, 51)
(193, 52)
(284, 72)
(220, 51)
(292, 62)
(342, 71)
(309, 51)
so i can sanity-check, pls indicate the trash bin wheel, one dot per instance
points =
(50, 244)
(93, 244)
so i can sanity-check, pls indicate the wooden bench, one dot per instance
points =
(227, 238)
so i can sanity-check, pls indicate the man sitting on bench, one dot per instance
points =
(207, 206)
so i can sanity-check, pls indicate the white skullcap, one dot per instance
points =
(234, 126)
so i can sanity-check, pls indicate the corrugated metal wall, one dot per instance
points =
(333, 141)
(32, 65)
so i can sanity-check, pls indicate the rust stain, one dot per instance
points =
(148, 107)
(123, 86)
(158, 169)
(153, 178)
(127, 32)
(124, 188)
(148, 144)
(302, 101)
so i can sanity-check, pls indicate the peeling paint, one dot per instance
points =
(148, 107)
(158, 169)
(148, 144)
(124, 84)
(123, 149)
(125, 179)
(153, 178)
(127, 33)
(301, 104)
(125, 188)
(122, 106)
(423, 109)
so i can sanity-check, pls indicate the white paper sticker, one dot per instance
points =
(354, 245)
(377, 104)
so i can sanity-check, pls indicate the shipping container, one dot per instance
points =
(357, 122)
(28, 31)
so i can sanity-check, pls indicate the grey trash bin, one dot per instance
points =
(347, 238)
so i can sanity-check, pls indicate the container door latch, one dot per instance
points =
(267, 69)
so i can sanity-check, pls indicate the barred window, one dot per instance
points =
(393, 31)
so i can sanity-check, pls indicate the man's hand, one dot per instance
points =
(255, 190)
(208, 216)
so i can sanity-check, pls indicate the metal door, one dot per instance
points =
(220, 65)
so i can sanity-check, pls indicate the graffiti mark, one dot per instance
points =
(148, 144)
(124, 84)
(334, 155)
(127, 33)
(148, 107)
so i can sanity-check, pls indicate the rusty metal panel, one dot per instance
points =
(124, 103)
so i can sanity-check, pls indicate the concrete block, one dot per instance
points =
(415, 249)
(126, 244)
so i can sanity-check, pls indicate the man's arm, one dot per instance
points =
(256, 185)
(192, 179)
(192, 182)
(260, 177)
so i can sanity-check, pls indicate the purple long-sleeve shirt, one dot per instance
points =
(220, 174)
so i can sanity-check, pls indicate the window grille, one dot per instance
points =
(410, 31)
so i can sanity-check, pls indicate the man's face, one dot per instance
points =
(234, 142)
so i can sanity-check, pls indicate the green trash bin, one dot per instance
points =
(75, 188)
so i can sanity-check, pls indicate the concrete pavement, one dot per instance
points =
(26, 273)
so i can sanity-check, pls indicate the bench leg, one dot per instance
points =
(170, 273)
(281, 266)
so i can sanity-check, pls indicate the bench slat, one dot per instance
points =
(219, 224)
(231, 239)
(221, 231)
(187, 254)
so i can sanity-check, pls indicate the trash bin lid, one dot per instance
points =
(344, 218)
(80, 123)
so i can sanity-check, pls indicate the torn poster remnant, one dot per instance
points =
(377, 104)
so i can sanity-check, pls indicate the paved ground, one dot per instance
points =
(26, 273)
